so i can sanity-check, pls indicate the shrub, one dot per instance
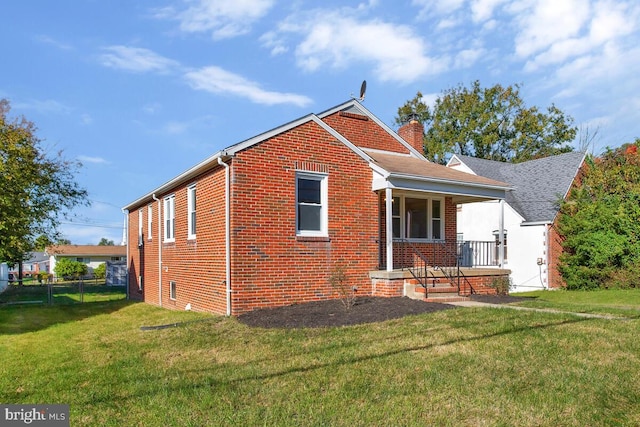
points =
(501, 285)
(340, 283)
(100, 272)
(68, 268)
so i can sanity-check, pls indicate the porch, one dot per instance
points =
(443, 271)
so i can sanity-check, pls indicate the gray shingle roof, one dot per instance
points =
(539, 184)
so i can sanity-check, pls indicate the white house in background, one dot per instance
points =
(529, 214)
(92, 255)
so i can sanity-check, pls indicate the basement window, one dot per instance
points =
(172, 290)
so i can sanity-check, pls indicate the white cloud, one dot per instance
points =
(547, 22)
(86, 119)
(46, 106)
(482, 10)
(337, 39)
(135, 59)
(216, 80)
(223, 18)
(53, 42)
(94, 160)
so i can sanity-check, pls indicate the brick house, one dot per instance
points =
(267, 221)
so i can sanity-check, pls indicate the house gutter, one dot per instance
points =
(227, 230)
(159, 251)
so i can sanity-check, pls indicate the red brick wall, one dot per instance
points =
(273, 267)
(364, 132)
(555, 250)
(197, 266)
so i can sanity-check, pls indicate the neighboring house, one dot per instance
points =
(92, 255)
(37, 262)
(530, 213)
(271, 220)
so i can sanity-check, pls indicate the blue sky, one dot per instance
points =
(140, 91)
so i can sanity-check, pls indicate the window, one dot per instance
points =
(140, 227)
(417, 218)
(395, 213)
(311, 204)
(191, 212)
(84, 260)
(117, 258)
(172, 290)
(149, 221)
(169, 218)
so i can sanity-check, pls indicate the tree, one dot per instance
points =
(100, 272)
(38, 189)
(67, 268)
(105, 242)
(600, 223)
(490, 123)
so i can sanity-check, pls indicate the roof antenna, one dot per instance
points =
(363, 90)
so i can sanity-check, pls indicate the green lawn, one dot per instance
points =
(464, 367)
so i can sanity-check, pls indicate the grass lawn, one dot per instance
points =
(463, 367)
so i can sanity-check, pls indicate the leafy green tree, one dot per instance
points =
(68, 268)
(490, 123)
(105, 242)
(100, 272)
(38, 189)
(600, 223)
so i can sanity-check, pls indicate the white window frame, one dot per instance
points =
(172, 290)
(430, 219)
(324, 204)
(169, 218)
(149, 222)
(191, 212)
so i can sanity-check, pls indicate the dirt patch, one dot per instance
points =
(320, 314)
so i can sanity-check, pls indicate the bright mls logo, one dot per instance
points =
(35, 415)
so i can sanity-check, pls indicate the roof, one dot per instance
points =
(36, 257)
(407, 165)
(539, 184)
(87, 250)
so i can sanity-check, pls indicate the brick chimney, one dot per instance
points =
(413, 133)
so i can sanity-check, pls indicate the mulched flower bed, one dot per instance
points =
(329, 313)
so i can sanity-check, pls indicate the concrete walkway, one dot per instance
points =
(542, 310)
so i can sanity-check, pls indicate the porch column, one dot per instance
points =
(389, 226)
(501, 235)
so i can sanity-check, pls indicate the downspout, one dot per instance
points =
(501, 234)
(227, 230)
(159, 251)
(125, 241)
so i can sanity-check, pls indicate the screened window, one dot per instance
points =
(311, 204)
(169, 218)
(191, 212)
